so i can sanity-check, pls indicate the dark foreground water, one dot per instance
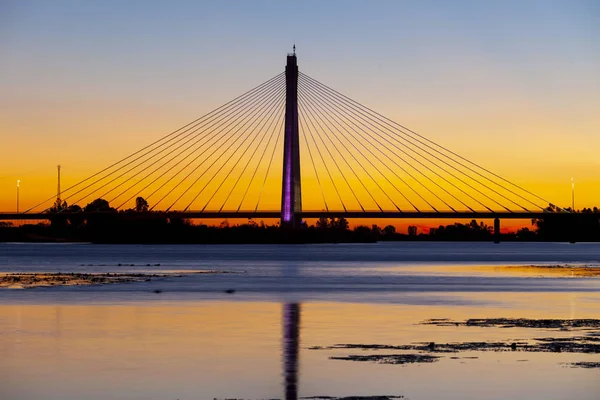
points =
(193, 340)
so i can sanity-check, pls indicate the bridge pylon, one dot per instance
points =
(291, 191)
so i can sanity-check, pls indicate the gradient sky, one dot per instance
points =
(512, 85)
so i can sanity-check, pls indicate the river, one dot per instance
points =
(269, 321)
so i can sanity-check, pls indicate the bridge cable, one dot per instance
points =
(275, 129)
(462, 172)
(385, 120)
(440, 176)
(374, 130)
(277, 108)
(236, 130)
(132, 168)
(327, 115)
(301, 129)
(301, 115)
(334, 110)
(312, 118)
(227, 123)
(218, 109)
(268, 169)
(265, 103)
(265, 117)
(369, 128)
(418, 171)
(327, 122)
(237, 122)
(160, 159)
(465, 159)
(127, 164)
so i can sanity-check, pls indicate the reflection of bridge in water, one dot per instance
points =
(291, 349)
(223, 165)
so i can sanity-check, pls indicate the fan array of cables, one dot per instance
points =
(223, 160)
(352, 159)
(363, 161)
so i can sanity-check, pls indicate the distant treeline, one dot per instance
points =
(139, 225)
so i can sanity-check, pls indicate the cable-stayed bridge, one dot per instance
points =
(293, 148)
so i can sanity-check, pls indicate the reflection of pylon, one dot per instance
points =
(291, 346)
(58, 187)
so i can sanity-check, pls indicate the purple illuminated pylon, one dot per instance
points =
(291, 196)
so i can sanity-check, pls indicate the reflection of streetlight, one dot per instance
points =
(573, 194)
(18, 185)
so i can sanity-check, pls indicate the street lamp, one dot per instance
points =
(18, 185)
(573, 194)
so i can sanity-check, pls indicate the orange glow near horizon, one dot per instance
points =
(542, 167)
(506, 99)
(548, 178)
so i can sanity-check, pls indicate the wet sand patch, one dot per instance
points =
(578, 344)
(41, 279)
(397, 359)
(586, 342)
(583, 364)
(561, 324)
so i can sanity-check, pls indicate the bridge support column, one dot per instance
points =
(496, 230)
(291, 195)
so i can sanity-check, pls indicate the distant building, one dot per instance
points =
(412, 231)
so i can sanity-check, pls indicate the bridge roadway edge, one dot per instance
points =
(304, 215)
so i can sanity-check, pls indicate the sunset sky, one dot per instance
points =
(511, 85)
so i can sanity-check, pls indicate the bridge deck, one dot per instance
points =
(305, 214)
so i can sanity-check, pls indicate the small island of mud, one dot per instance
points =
(587, 341)
(562, 324)
(398, 359)
(51, 279)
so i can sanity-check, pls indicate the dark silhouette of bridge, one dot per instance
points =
(356, 163)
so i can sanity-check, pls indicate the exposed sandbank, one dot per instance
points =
(46, 279)
(587, 342)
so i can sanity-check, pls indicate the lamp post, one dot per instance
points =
(18, 185)
(573, 194)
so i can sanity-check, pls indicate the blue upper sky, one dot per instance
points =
(366, 40)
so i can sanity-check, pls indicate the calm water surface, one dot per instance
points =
(194, 341)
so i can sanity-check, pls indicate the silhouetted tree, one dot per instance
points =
(104, 224)
(74, 216)
(339, 224)
(98, 205)
(362, 229)
(389, 231)
(178, 222)
(376, 231)
(470, 231)
(58, 206)
(322, 223)
(141, 205)
(525, 234)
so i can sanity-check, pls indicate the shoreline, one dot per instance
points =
(49, 240)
